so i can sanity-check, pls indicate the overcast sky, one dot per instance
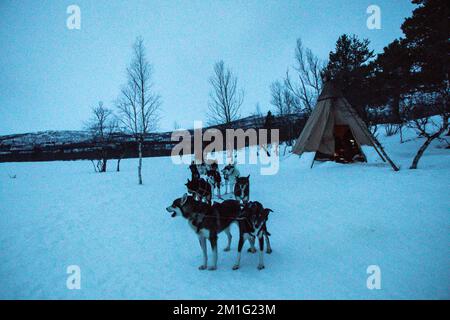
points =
(50, 76)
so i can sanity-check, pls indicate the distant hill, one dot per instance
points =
(75, 145)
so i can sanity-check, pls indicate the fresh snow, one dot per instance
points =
(329, 224)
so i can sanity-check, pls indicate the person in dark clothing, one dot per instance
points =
(268, 121)
(268, 125)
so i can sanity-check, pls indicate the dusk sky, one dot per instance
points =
(51, 76)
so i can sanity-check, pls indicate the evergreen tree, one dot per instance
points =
(349, 66)
(427, 35)
(392, 77)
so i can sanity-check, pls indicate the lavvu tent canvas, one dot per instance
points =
(335, 132)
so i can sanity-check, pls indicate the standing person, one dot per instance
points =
(268, 124)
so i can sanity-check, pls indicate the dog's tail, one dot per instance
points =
(266, 216)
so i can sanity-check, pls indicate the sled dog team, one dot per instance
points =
(208, 219)
(206, 180)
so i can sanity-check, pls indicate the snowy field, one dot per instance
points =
(329, 224)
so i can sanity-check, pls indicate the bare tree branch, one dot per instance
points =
(138, 104)
(302, 93)
(427, 127)
(102, 127)
(225, 98)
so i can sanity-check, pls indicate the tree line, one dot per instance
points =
(411, 74)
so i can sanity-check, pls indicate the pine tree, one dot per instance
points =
(427, 35)
(350, 68)
(392, 77)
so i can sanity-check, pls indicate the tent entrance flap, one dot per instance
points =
(346, 148)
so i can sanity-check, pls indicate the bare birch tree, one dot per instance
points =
(138, 103)
(225, 98)
(102, 127)
(309, 78)
(300, 92)
(284, 104)
(282, 99)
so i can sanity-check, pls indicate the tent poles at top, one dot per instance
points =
(374, 140)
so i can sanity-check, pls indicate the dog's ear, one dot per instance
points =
(266, 213)
(184, 199)
(248, 177)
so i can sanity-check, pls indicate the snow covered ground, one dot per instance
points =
(329, 224)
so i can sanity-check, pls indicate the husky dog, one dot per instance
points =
(252, 224)
(214, 180)
(214, 166)
(194, 171)
(242, 189)
(200, 189)
(254, 209)
(230, 173)
(203, 168)
(207, 222)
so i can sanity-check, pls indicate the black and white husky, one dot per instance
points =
(200, 189)
(230, 174)
(207, 222)
(242, 189)
(252, 225)
(214, 180)
(203, 168)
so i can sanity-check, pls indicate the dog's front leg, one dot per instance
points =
(202, 241)
(252, 248)
(228, 233)
(261, 252)
(269, 248)
(240, 245)
(213, 241)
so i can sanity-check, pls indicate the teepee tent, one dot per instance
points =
(334, 130)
